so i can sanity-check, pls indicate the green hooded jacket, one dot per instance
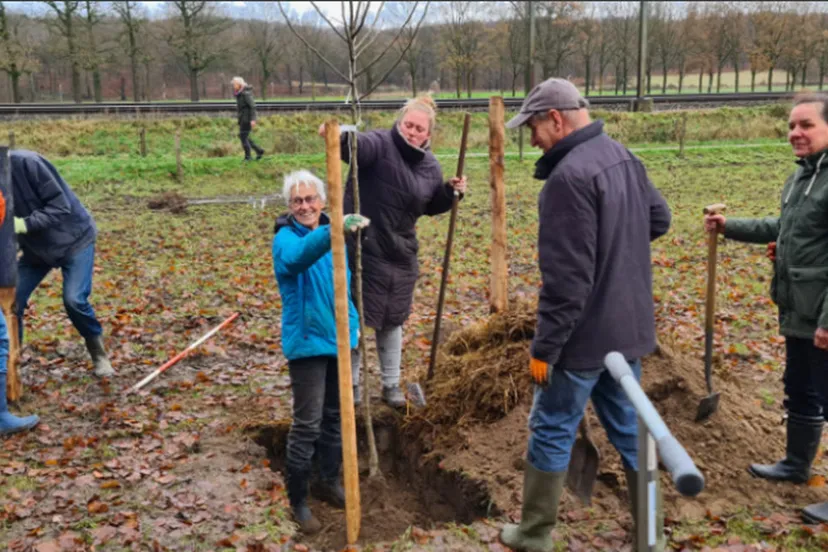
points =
(800, 280)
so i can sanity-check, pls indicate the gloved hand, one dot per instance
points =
(20, 226)
(772, 251)
(353, 223)
(540, 371)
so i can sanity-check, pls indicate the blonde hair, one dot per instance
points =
(424, 103)
(294, 179)
(238, 80)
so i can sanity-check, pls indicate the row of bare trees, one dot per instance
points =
(191, 49)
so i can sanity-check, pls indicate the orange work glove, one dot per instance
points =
(539, 370)
(772, 251)
(2, 208)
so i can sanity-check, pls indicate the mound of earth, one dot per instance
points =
(479, 401)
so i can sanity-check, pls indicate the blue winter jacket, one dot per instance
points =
(57, 225)
(303, 263)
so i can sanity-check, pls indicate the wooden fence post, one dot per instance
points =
(8, 277)
(143, 141)
(498, 297)
(179, 170)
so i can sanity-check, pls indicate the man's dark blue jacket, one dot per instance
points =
(598, 213)
(57, 225)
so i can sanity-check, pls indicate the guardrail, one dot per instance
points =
(140, 108)
(653, 435)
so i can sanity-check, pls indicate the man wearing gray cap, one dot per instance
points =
(598, 212)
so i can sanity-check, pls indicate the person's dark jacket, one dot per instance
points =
(800, 282)
(57, 225)
(598, 213)
(245, 107)
(398, 183)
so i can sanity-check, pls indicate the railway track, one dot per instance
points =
(130, 108)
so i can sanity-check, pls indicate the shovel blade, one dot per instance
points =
(415, 393)
(707, 407)
(583, 469)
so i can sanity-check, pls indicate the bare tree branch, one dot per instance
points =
(328, 21)
(361, 17)
(402, 54)
(310, 46)
(362, 48)
(368, 40)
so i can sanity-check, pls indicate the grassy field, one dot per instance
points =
(171, 466)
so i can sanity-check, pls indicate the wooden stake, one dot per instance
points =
(498, 297)
(143, 141)
(179, 171)
(14, 387)
(343, 340)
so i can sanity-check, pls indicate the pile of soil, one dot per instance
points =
(170, 201)
(479, 401)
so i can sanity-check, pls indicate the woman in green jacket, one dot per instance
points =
(800, 290)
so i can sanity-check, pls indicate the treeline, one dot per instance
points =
(103, 51)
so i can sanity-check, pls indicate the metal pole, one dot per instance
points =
(645, 529)
(642, 46)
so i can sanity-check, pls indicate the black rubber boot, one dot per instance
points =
(804, 434)
(539, 512)
(328, 488)
(632, 489)
(816, 513)
(297, 489)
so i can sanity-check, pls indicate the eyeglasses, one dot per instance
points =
(310, 200)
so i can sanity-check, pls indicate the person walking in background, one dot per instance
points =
(246, 112)
(55, 231)
(598, 212)
(800, 290)
(303, 265)
(400, 180)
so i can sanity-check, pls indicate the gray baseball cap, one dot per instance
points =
(550, 94)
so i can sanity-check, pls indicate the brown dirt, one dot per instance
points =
(479, 405)
(171, 201)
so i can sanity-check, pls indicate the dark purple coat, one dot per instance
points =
(398, 183)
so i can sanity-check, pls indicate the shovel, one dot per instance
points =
(710, 403)
(583, 464)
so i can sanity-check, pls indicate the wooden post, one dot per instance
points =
(682, 133)
(343, 341)
(11, 140)
(498, 297)
(8, 278)
(520, 143)
(143, 141)
(179, 171)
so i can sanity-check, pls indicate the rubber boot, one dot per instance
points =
(541, 495)
(632, 489)
(804, 434)
(328, 488)
(9, 423)
(95, 346)
(297, 489)
(816, 513)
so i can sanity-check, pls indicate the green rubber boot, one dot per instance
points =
(541, 495)
(632, 488)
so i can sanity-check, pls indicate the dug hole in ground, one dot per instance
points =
(460, 458)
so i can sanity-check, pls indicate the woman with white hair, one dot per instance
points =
(246, 112)
(303, 264)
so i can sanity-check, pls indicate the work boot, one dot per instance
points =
(297, 490)
(816, 513)
(259, 154)
(632, 489)
(393, 396)
(357, 396)
(541, 494)
(328, 488)
(96, 350)
(9, 423)
(804, 434)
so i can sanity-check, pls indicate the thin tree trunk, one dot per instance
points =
(96, 85)
(15, 86)
(719, 80)
(588, 75)
(736, 69)
(753, 80)
(701, 79)
(770, 79)
(193, 85)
